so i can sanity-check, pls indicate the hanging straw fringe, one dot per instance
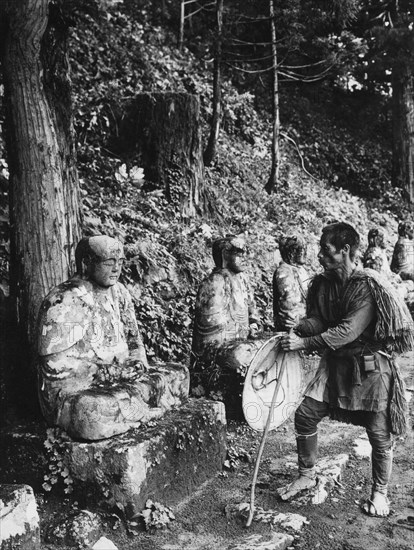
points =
(398, 407)
(394, 322)
(394, 329)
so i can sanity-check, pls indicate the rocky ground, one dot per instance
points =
(214, 517)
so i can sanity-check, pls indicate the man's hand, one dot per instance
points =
(287, 319)
(289, 323)
(292, 342)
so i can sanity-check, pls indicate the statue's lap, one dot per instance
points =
(105, 410)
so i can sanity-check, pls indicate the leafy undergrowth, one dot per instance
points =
(345, 152)
(331, 141)
(168, 256)
(125, 52)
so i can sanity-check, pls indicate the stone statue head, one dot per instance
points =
(376, 237)
(99, 259)
(406, 229)
(293, 249)
(229, 252)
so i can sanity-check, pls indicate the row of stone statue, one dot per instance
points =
(290, 281)
(94, 377)
(402, 263)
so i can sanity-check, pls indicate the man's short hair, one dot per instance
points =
(340, 234)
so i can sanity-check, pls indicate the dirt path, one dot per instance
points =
(208, 520)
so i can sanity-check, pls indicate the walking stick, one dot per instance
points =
(263, 441)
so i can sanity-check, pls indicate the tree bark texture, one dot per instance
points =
(161, 131)
(403, 130)
(273, 180)
(210, 151)
(181, 31)
(44, 199)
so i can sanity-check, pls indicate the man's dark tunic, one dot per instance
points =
(342, 320)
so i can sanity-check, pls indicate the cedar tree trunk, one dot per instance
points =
(44, 200)
(273, 180)
(403, 130)
(162, 132)
(210, 151)
(181, 31)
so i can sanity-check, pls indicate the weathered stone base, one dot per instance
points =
(19, 519)
(164, 461)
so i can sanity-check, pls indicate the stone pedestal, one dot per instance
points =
(19, 519)
(164, 460)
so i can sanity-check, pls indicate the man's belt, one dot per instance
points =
(360, 356)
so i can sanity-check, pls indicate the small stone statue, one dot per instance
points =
(225, 308)
(290, 284)
(402, 261)
(94, 377)
(375, 256)
(225, 320)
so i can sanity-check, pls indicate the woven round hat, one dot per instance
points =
(261, 380)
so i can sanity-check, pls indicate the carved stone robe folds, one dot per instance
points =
(83, 330)
(402, 261)
(224, 309)
(290, 286)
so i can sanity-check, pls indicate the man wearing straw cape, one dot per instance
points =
(359, 324)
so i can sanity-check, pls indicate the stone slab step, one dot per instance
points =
(19, 520)
(163, 461)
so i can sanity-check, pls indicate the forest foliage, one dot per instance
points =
(335, 143)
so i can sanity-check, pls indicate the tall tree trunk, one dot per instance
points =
(181, 31)
(273, 180)
(210, 151)
(161, 132)
(403, 129)
(44, 196)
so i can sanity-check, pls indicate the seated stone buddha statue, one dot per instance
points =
(94, 377)
(226, 324)
(225, 309)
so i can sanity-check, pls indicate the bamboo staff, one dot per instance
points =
(263, 441)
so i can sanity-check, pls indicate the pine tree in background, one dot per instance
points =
(389, 66)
